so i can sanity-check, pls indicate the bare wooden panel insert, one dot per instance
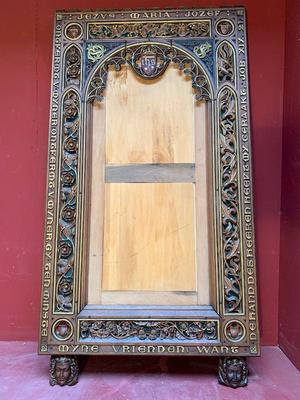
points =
(149, 237)
(149, 121)
(97, 202)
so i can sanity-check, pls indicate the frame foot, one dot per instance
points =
(63, 370)
(233, 371)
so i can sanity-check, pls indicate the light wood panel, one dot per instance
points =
(149, 237)
(149, 121)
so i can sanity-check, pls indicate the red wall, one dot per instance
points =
(289, 325)
(26, 41)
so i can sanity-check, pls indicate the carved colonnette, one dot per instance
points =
(210, 46)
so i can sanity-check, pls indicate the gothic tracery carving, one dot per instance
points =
(163, 55)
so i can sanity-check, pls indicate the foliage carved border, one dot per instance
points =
(102, 330)
(73, 65)
(225, 63)
(149, 29)
(230, 212)
(64, 299)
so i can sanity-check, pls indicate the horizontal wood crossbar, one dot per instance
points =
(150, 173)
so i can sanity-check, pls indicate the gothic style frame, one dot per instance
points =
(209, 45)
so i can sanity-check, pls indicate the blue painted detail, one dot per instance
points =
(208, 60)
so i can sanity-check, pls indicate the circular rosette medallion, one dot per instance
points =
(234, 331)
(224, 27)
(62, 329)
(73, 31)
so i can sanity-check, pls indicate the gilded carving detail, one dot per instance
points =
(230, 201)
(68, 202)
(151, 330)
(225, 62)
(72, 66)
(152, 29)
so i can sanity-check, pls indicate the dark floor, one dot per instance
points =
(24, 375)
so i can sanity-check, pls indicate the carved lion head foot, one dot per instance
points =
(63, 370)
(233, 371)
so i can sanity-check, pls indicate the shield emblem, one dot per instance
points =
(149, 64)
(224, 28)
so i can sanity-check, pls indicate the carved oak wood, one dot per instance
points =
(209, 46)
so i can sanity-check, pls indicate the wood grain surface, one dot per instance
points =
(149, 121)
(149, 237)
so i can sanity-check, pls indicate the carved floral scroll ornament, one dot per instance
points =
(152, 330)
(153, 30)
(225, 62)
(68, 202)
(72, 66)
(202, 50)
(230, 201)
(95, 52)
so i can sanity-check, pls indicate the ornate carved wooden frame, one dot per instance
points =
(209, 45)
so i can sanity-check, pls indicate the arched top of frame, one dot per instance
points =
(149, 60)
